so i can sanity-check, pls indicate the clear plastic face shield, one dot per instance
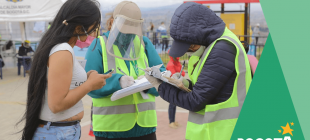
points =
(125, 38)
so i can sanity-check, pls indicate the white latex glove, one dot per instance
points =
(126, 81)
(176, 76)
(167, 73)
(154, 81)
(184, 81)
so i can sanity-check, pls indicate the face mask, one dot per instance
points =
(189, 53)
(198, 52)
(87, 42)
(194, 59)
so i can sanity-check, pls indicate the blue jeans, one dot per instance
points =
(58, 132)
(172, 109)
(27, 64)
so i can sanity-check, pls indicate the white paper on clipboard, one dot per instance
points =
(138, 86)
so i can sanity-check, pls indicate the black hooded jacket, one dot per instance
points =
(197, 24)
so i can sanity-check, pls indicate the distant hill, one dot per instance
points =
(169, 7)
(158, 15)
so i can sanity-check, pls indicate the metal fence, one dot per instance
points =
(256, 46)
(163, 45)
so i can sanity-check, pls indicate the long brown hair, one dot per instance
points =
(110, 22)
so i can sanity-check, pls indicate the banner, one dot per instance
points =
(28, 10)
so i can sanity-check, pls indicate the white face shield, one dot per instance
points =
(125, 38)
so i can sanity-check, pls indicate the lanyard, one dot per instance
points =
(135, 67)
(134, 64)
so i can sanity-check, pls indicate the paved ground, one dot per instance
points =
(13, 99)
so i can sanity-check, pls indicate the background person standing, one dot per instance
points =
(152, 35)
(23, 51)
(174, 66)
(256, 32)
(164, 36)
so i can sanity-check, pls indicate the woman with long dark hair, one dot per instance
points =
(57, 81)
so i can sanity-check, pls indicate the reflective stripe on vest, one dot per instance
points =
(226, 113)
(110, 58)
(121, 109)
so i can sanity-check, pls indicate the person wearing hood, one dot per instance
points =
(174, 66)
(122, 48)
(218, 68)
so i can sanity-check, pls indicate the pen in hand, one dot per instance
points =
(124, 73)
(182, 69)
(121, 71)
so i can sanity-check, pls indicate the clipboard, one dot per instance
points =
(138, 86)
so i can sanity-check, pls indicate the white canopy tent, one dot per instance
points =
(28, 10)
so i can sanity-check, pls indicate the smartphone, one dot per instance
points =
(110, 71)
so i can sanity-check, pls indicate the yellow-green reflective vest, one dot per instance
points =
(217, 122)
(164, 36)
(123, 114)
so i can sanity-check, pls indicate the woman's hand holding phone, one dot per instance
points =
(89, 72)
(97, 81)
